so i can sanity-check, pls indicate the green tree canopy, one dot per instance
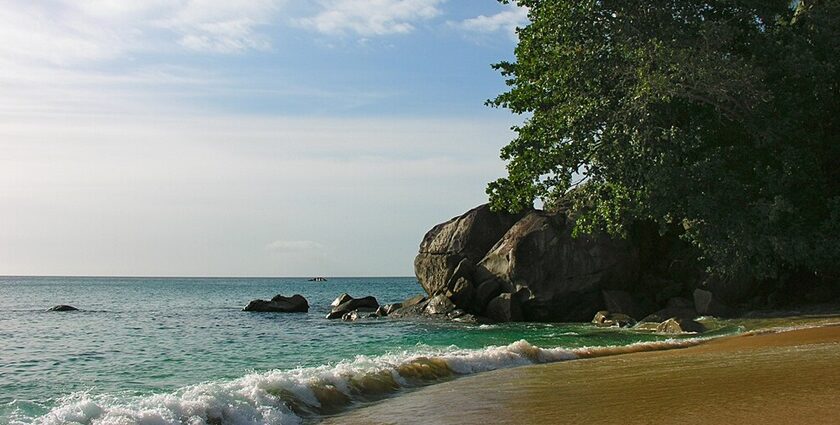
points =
(719, 118)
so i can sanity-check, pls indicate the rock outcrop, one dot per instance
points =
(446, 245)
(280, 304)
(526, 267)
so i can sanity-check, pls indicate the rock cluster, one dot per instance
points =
(522, 267)
(530, 267)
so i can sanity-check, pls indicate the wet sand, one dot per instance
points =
(766, 378)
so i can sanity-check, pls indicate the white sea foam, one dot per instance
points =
(288, 396)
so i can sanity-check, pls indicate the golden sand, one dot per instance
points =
(790, 377)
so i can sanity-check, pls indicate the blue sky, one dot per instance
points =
(251, 138)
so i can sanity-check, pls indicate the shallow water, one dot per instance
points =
(772, 378)
(180, 350)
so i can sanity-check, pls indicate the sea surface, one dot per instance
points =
(182, 351)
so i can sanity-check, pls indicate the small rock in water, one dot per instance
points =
(363, 313)
(279, 304)
(607, 319)
(677, 326)
(63, 307)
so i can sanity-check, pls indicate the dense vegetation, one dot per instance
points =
(720, 119)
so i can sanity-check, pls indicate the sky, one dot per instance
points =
(244, 138)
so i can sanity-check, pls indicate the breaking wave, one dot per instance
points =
(291, 396)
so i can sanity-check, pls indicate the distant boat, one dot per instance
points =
(318, 279)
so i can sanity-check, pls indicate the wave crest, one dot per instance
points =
(289, 396)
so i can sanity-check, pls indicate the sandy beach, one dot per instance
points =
(779, 377)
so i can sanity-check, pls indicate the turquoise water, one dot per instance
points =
(180, 350)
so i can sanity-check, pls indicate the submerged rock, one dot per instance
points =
(362, 313)
(279, 304)
(63, 307)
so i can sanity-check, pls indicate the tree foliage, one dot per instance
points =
(720, 118)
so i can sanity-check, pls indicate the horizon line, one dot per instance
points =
(207, 277)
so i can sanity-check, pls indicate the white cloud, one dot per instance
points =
(68, 32)
(294, 247)
(371, 17)
(506, 20)
(222, 26)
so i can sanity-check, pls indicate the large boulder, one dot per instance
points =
(280, 304)
(446, 245)
(707, 304)
(564, 274)
(341, 299)
(504, 308)
(621, 302)
(350, 304)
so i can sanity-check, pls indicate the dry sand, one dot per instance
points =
(790, 377)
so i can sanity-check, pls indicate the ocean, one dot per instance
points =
(180, 350)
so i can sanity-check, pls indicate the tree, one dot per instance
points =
(717, 118)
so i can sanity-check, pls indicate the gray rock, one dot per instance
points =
(485, 292)
(680, 303)
(362, 313)
(468, 236)
(417, 299)
(439, 304)
(63, 307)
(414, 310)
(677, 326)
(387, 309)
(621, 302)
(504, 308)
(608, 319)
(353, 304)
(706, 304)
(461, 293)
(341, 299)
(279, 304)
(664, 314)
(561, 271)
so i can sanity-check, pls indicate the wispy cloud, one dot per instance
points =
(505, 21)
(68, 32)
(371, 17)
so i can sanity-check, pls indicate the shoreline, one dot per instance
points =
(767, 376)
